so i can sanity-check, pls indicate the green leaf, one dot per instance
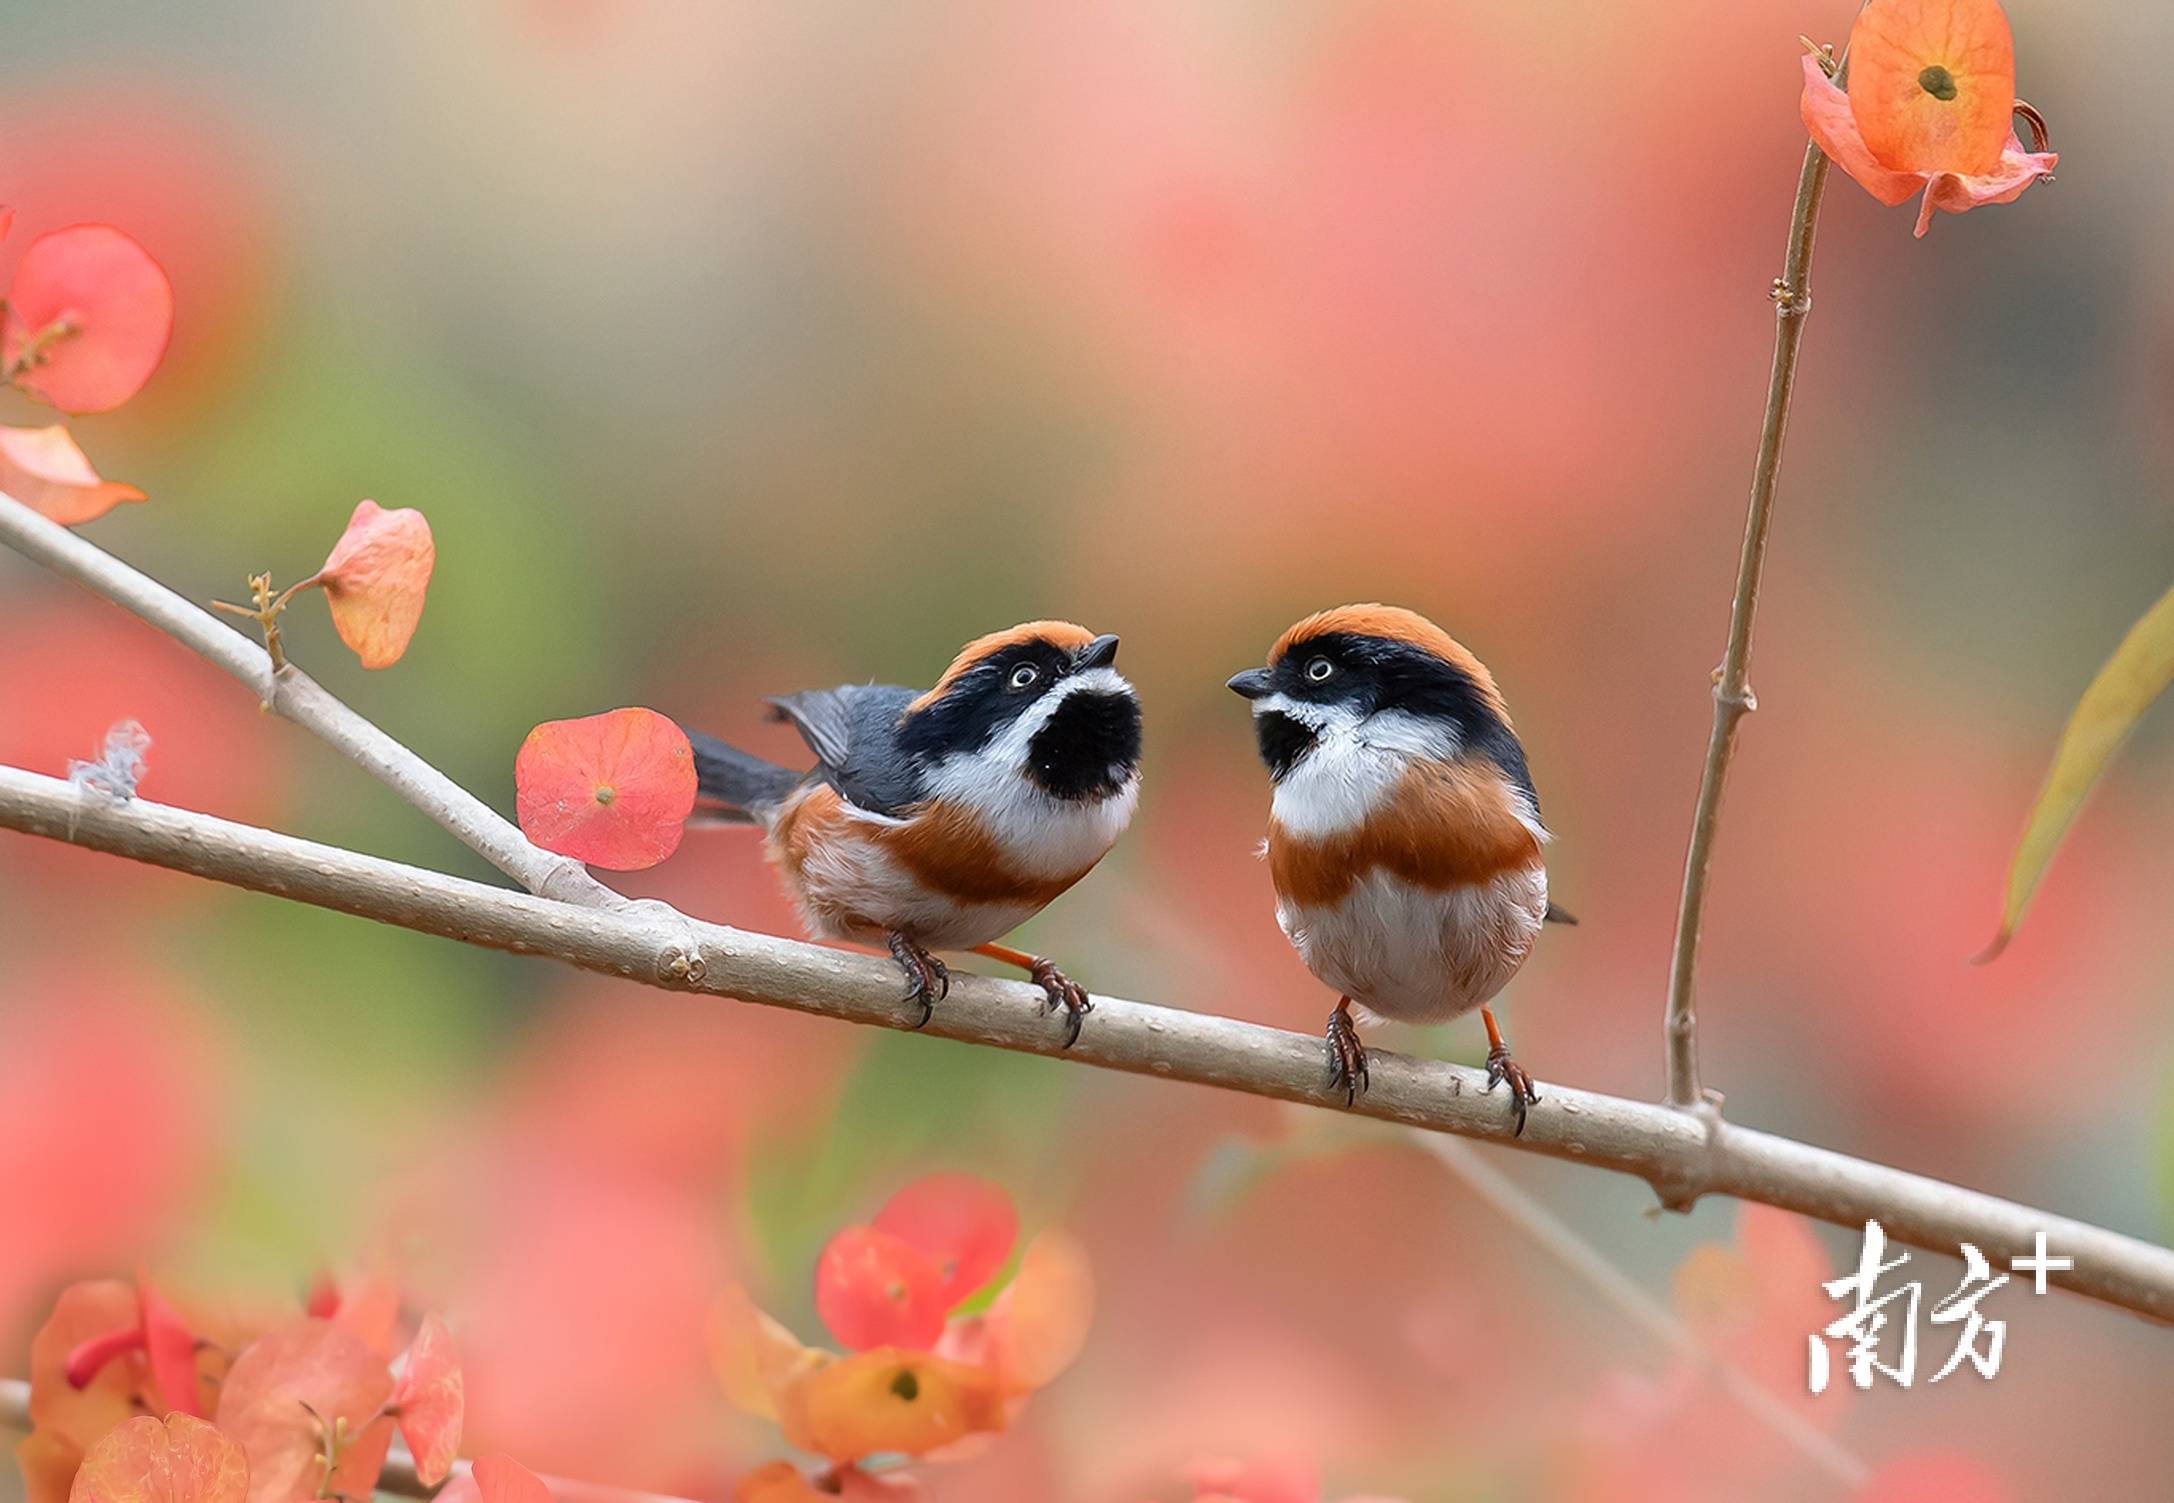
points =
(2136, 675)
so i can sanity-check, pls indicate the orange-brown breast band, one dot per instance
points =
(945, 846)
(1396, 624)
(949, 850)
(1062, 635)
(1446, 825)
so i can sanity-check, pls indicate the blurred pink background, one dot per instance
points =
(738, 349)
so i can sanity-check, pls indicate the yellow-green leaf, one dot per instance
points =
(2136, 675)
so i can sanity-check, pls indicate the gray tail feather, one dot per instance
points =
(746, 786)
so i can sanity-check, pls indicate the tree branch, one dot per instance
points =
(294, 695)
(1682, 1155)
(1733, 698)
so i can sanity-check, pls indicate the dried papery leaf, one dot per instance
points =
(376, 578)
(180, 1459)
(429, 1401)
(964, 1223)
(613, 790)
(293, 1387)
(95, 312)
(1932, 82)
(2129, 684)
(873, 1289)
(43, 469)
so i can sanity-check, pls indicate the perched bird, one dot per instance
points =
(1404, 836)
(942, 820)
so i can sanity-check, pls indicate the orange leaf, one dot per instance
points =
(291, 1386)
(874, 1289)
(757, 1359)
(966, 1224)
(501, 1479)
(428, 1400)
(49, 1466)
(613, 790)
(496, 1478)
(1828, 116)
(1932, 83)
(43, 469)
(179, 1459)
(889, 1400)
(98, 282)
(375, 580)
(80, 1417)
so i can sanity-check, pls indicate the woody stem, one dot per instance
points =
(1733, 698)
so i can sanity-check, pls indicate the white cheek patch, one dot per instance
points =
(1354, 765)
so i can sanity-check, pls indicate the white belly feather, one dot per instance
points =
(1417, 956)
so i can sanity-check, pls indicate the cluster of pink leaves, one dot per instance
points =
(132, 1400)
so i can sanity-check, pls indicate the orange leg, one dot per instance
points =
(1060, 989)
(1501, 1067)
(1347, 1056)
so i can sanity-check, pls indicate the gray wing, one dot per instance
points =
(853, 731)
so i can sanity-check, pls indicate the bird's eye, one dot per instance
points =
(1319, 669)
(1024, 676)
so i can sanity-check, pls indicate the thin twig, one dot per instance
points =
(398, 1476)
(293, 694)
(1562, 1242)
(1682, 1155)
(1733, 699)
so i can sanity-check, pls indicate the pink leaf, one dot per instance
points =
(292, 1388)
(613, 790)
(171, 1346)
(966, 1224)
(873, 1289)
(43, 469)
(375, 580)
(117, 301)
(179, 1459)
(428, 1400)
(496, 1479)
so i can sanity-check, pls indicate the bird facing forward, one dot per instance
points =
(1404, 837)
(942, 820)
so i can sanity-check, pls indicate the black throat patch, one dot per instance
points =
(1283, 740)
(1089, 749)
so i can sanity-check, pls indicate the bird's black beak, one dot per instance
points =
(1254, 683)
(1099, 653)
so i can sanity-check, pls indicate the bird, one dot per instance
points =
(1404, 835)
(942, 819)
